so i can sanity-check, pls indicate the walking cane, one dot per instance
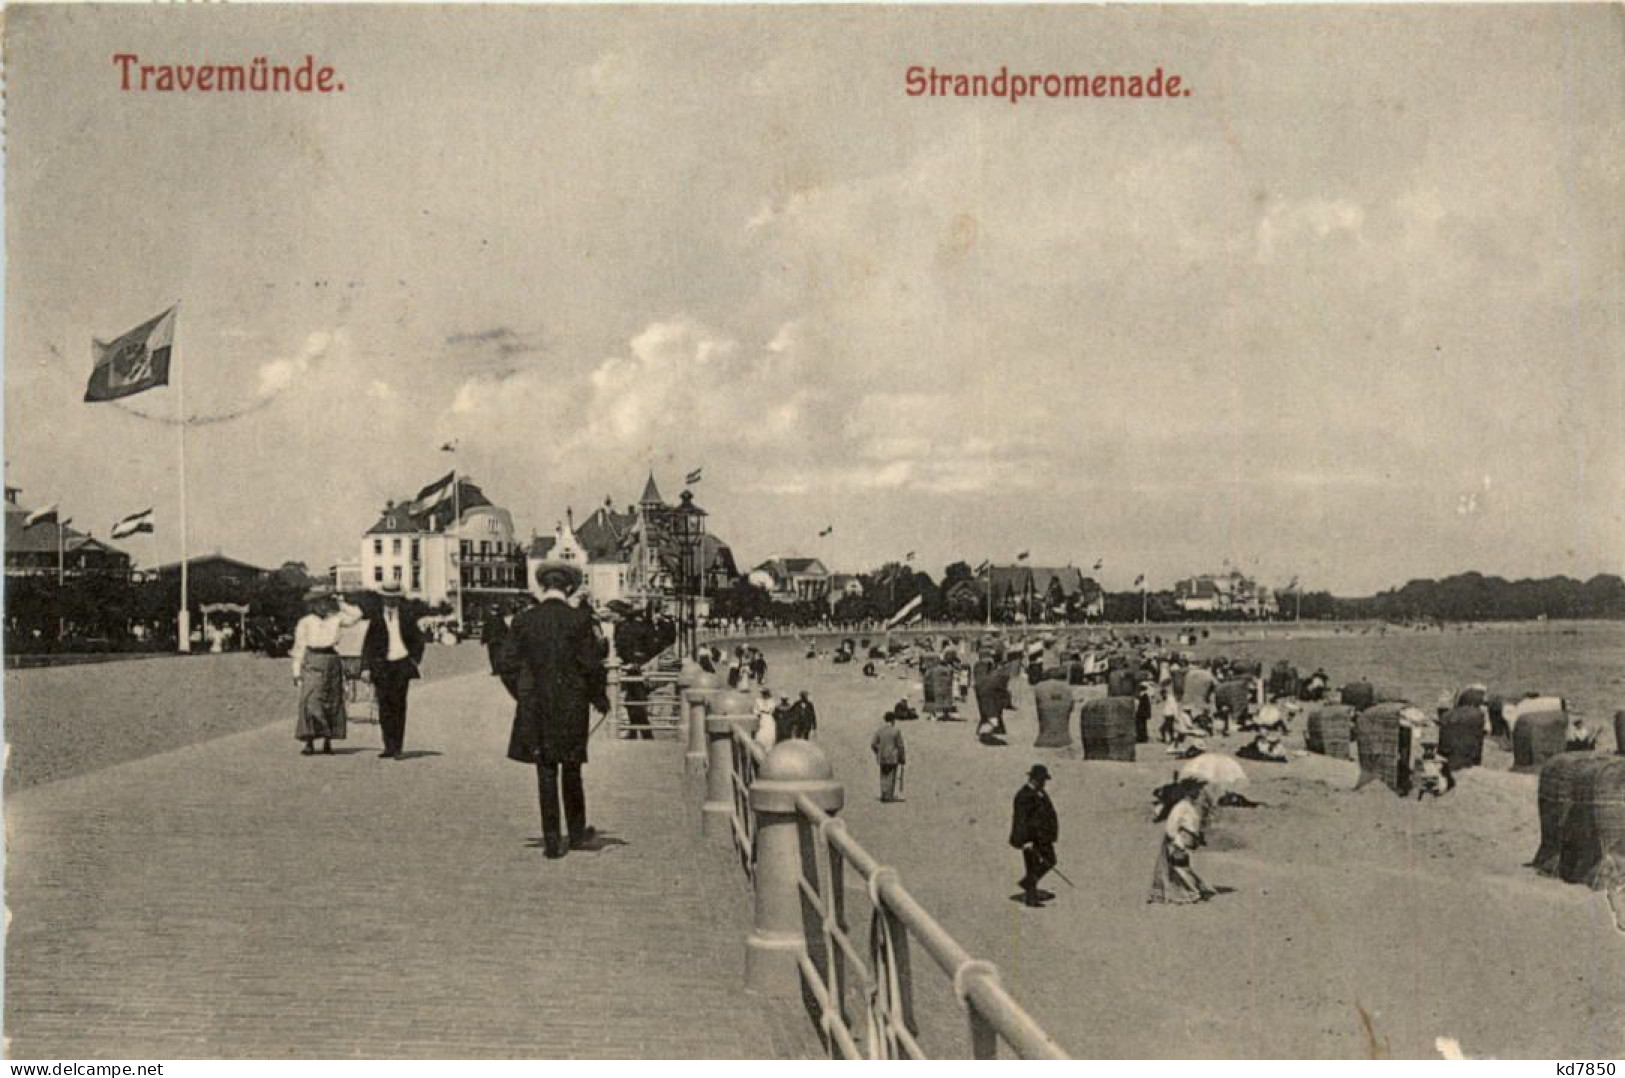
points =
(1063, 878)
(902, 769)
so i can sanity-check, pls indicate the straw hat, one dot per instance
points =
(551, 567)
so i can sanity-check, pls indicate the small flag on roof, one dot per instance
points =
(134, 362)
(435, 493)
(909, 612)
(44, 515)
(1023, 555)
(134, 524)
(693, 477)
(982, 568)
(909, 556)
(826, 531)
(1139, 580)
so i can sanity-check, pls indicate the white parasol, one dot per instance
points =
(1217, 770)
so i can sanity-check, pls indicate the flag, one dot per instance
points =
(826, 531)
(1292, 583)
(909, 611)
(134, 524)
(449, 447)
(1098, 563)
(1023, 555)
(133, 363)
(440, 490)
(982, 568)
(909, 556)
(46, 515)
(693, 477)
(1139, 580)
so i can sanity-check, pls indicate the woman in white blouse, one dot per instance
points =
(317, 670)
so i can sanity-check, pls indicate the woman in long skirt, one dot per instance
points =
(318, 671)
(1175, 881)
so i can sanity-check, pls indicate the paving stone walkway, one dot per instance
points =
(234, 899)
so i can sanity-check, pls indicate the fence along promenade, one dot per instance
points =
(778, 810)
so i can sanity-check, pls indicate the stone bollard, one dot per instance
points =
(612, 682)
(704, 687)
(725, 711)
(776, 943)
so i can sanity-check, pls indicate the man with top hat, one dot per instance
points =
(1034, 828)
(392, 651)
(552, 651)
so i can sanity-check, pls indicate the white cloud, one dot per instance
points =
(277, 375)
(378, 389)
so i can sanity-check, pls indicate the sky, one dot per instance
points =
(1352, 312)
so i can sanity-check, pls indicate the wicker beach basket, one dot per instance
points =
(1284, 680)
(1236, 698)
(1106, 727)
(1592, 848)
(1384, 748)
(1328, 729)
(1537, 737)
(1556, 798)
(1120, 682)
(1054, 700)
(939, 690)
(1359, 695)
(1461, 737)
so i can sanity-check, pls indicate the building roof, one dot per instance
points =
(41, 538)
(541, 546)
(606, 535)
(651, 493)
(805, 567)
(398, 518)
(1069, 577)
(192, 564)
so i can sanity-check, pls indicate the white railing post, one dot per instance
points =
(776, 943)
(724, 711)
(701, 688)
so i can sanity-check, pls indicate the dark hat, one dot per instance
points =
(318, 593)
(390, 589)
(1038, 771)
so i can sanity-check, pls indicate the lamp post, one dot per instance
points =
(688, 527)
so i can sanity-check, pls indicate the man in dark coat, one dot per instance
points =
(1034, 828)
(806, 720)
(392, 651)
(553, 651)
(636, 642)
(493, 628)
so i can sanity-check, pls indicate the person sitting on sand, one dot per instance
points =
(905, 713)
(1433, 774)
(869, 670)
(1189, 739)
(1315, 687)
(1581, 738)
(1175, 881)
(1266, 745)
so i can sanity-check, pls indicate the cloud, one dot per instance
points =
(278, 375)
(379, 389)
(1291, 222)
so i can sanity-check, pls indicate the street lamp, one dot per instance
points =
(688, 528)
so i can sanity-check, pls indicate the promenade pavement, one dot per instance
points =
(234, 899)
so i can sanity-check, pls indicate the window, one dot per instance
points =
(378, 548)
(377, 574)
(465, 547)
(485, 548)
(417, 578)
(416, 550)
(395, 547)
(397, 574)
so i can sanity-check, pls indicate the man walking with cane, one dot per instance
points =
(891, 754)
(1034, 828)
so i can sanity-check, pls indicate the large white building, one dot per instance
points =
(441, 558)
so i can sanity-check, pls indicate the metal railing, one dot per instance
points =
(659, 704)
(863, 995)
(748, 756)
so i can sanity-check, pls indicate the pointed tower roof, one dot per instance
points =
(651, 493)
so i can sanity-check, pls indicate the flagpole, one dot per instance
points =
(183, 620)
(457, 520)
(990, 594)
